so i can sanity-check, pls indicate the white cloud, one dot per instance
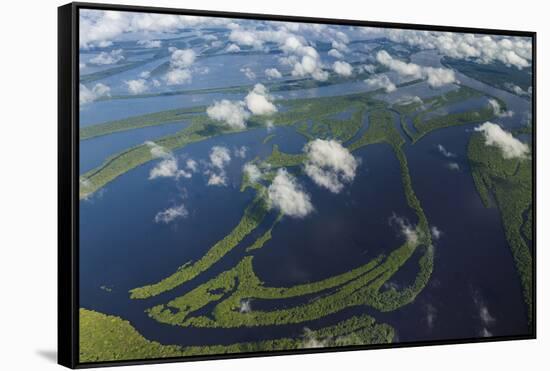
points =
(497, 137)
(402, 68)
(171, 214)
(178, 76)
(335, 53)
(150, 44)
(99, 27)
(258, 101)
(311, 341)
(182, 58)
(287, 196)
(202, 70)
(136, 86)
(288, 60)
(244, 37)
(518, 90)
(220, 156)
(87, 95)
(485, 316)
(248, 73)
(252, 172)
(157, 151)
(230, 113)
(104, 44)
(310, 65)
(303, 58)
(192, 165)
(405, 229)
(217, 179)
(368, 68)
(444, 151)
(273, 73)
(342, 68)
(453, 166)
(233, 48)
(329, 164)
(512, 51)
(103, 58)
(209, 37)
(340, 45)
(240, 152)
(180, 61)
(145, 74)
(436, 232)
(381, 82)
(246, 306)
(431, 315)
(408, 99)
(436, 77)
(497, 109)
(168, 167)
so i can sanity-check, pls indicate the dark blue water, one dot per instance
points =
(473, 259)
(346, 230)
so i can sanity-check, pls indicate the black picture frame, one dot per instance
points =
(68, 178)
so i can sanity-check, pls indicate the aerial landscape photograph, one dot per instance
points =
(256, 186)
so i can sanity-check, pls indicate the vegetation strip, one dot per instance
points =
(110, 338)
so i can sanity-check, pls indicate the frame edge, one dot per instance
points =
(68, 303)
(66, 319)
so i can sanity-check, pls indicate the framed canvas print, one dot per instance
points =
(235, 185)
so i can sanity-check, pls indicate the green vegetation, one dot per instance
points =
(142, 121)
(381, 130)
(230, 289)
(424, 126)
(110, 338)
(252, 217)
(331, 128)
(281, 159)
(451, 119)
(495, 74)
(418, 111)
(527, 228)
(260, 241)
(507, 184)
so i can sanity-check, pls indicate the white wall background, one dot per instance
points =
(28, 155)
